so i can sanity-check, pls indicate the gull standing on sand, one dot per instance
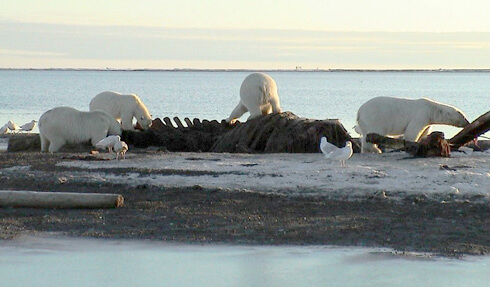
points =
(12, 126)
(121, 148)
(5, 129)
(28, 126)
(108, 143)
(335, 153)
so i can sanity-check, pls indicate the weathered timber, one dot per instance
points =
(32, 142)
(478, 127)
(434, 145)
(33, 199)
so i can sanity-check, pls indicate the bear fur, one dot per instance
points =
(63, 125)
(258, 95)
(390, 116)
(123, 108)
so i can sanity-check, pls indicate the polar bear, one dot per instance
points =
(390, 116)
(258, 95)
(63, 125)
(123, 108)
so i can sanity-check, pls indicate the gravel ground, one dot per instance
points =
(237, 216)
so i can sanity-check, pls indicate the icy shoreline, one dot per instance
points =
(303, 174)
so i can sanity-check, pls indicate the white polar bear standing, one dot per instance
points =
(123, 108)
(63, 125)
(389, 116)
(258, 95)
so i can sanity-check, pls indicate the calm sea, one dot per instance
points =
(26, 94)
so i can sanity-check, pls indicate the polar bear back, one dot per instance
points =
(391, 116)
(408, 117)
(257, 89)
(63, 125)
(258, 95)
(111, 102)
(123, 108)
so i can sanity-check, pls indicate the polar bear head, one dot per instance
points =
(141, 113)
(447, 115)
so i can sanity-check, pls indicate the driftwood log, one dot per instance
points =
(433, 145)
(478, 127)
(24, 142)
(33, 199)
(271, 133)
(32, 142)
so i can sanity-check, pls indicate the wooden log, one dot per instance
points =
(478, 127)
(433, 145)
(393, 143)
(32, 142)
(34, 199)
(24, 142)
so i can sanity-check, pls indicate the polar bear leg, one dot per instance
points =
(414, 130)
(44, 143)
(127, 122)
(368, 147)
(266, 109)
(255, 112)
(425, 133)
(55, 145)
(275, 105)
(239, 110)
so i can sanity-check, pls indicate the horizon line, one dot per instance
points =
(99, 25)
(297, 69)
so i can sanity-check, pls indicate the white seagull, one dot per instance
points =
(335, 153)
(5, 129)
(120, 148)
(28, 126)
(12, 126)
(108, 143)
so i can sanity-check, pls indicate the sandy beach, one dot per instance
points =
(438, 205)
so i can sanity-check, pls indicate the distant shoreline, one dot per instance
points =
(250, 70)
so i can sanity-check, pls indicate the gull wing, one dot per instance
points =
(327, 147)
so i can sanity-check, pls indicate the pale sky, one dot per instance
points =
(347, 34)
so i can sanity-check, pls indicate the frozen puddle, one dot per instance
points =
(89, 262)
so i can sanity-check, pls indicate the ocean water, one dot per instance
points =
(82, 262)
(26, 94)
